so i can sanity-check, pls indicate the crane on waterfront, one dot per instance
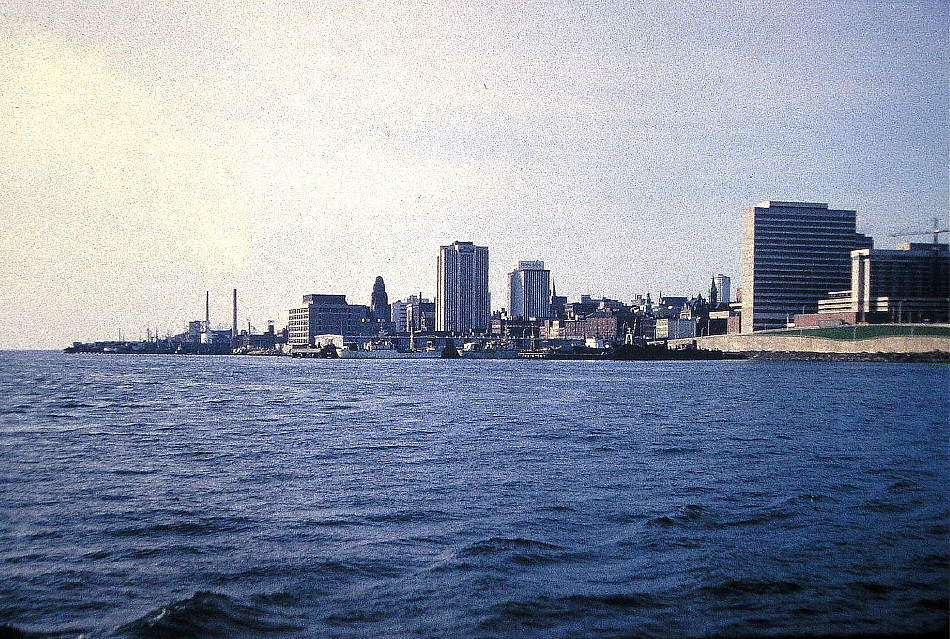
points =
(936, 232)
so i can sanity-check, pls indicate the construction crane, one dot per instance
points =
(936, 232)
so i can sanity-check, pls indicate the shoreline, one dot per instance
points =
(933, 357)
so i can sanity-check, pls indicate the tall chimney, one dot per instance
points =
(207, 311)
(234, 330)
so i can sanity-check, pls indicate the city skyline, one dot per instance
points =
(152, 153)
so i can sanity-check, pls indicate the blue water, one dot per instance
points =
(176, 496)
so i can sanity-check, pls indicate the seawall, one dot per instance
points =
(746, 343)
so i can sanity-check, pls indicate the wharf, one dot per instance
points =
(852, 343)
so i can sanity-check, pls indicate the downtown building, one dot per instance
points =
(529, 291)
(462, 298)
(328, 315)
(415, 314)
(723, 284)
(379, 301)
(909, 284)
(793, 254)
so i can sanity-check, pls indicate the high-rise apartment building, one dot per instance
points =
(793, 253)
(529, 291)
(462, 298)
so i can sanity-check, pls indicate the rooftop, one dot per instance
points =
(791, 205)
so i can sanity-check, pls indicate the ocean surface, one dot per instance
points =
(177, 496)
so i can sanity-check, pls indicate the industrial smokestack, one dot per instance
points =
(207, 311)
(234, 329)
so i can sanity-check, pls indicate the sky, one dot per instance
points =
(152, 151)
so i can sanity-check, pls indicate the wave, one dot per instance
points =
(206, 614)
(333, 407)
(71, 404)
(501, 544)
(408, 516)
(12, 632)
(685, 515)
(681, 450)
(204, 526)
(888, 507)
(790, 510)
(314, 569)
(740, 587)
(497, 552)
(547, 612)
(20, 409)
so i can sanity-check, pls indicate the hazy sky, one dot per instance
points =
(152, 150)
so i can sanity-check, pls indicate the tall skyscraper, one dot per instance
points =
(462, 301)
(723, 288)
(793, 254)
(379, 301)
(529, 291)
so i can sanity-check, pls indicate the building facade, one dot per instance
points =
(793, 253)
(675, 328)
(909, 284)
(420, 316)
(529, 291)
(723, 288)
(327, 314)
(416, 314)
(398, 316)
(462, 299)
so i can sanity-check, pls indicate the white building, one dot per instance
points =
(529, 291)
(723, 288)
(462, 299)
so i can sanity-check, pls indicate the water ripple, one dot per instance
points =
(266, 497)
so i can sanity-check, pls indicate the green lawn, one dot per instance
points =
(867, 332)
